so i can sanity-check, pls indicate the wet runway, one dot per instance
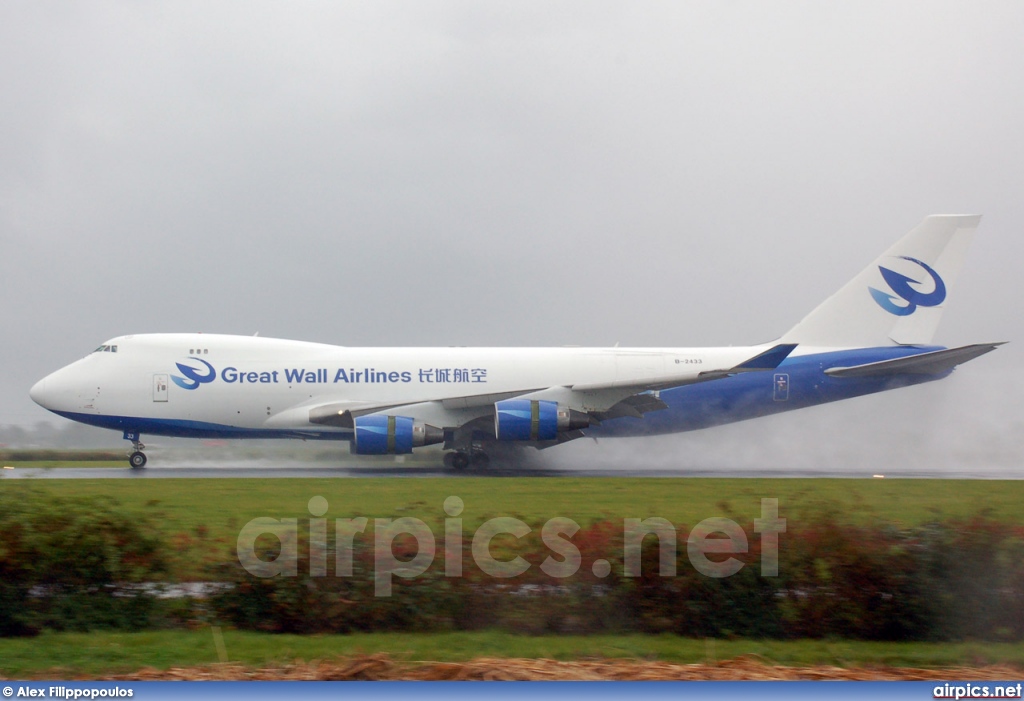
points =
(272, 472)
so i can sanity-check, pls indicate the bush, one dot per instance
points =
(946, 581)
(74, 564)
(79, 564)
(529, 603)
(692, 604)
(331, 604)
(854, 582)
(972, 577)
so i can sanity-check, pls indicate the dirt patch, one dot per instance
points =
(383, 667)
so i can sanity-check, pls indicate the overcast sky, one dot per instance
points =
(548, 173)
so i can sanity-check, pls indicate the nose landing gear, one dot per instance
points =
(137, 459)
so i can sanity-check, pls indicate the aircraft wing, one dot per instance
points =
(768, 360)
(601, 401)
(642, 397)
(343, 414)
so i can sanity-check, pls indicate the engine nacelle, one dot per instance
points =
(535, 420)
(378, 434)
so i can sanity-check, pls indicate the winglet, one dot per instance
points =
(769, 360)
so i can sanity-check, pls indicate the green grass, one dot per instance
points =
(224, 505)
(97, 653)
(218, 508)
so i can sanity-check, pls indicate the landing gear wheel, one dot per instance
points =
(457, 460)
(480, 459)
(136, 458)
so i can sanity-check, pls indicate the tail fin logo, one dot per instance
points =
(192, 377)
(901, 285)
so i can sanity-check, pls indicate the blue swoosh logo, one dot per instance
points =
(192, 377)
(901, 287)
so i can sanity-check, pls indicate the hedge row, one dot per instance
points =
(943, 581)
(80, 564)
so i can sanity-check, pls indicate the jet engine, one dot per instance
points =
(377, 434)
(535, 420)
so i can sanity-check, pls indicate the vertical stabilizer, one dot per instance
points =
(899, 298)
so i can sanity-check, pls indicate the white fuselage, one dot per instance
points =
(263, 383)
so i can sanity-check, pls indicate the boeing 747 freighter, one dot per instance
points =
(874, 334)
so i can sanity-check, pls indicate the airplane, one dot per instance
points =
(874, 334)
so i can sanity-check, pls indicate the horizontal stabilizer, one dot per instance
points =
(931, 363)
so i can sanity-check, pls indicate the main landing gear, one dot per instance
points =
(461, 459)
(137, 459)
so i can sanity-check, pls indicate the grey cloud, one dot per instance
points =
(458, 173)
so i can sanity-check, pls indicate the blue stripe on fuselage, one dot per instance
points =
(181, 428)
(753, 394)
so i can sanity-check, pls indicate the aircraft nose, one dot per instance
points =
(39, 393)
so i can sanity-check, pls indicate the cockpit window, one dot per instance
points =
(106, 349)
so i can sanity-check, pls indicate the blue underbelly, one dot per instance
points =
(797, 383)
